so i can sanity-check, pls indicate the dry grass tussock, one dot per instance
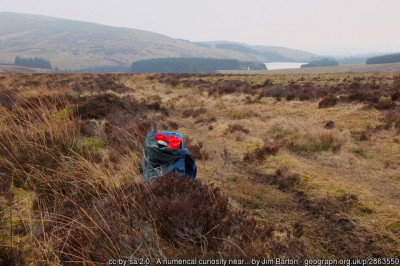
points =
(268, 148)
(304, 135)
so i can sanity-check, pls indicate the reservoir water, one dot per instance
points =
(283, 65)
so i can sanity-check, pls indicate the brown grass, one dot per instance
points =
(237, 127)
(196, 148)
(70, 156)
(268, 148)
(328, 102)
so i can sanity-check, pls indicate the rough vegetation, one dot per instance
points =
(295, 166)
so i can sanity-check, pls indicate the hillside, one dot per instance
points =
(321, 63)
(266, 53)
(77, 45)
(294, 54)
(384, 59)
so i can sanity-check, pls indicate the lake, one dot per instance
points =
(283, 65)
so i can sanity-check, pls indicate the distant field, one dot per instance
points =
(21, 69)
(395, 67)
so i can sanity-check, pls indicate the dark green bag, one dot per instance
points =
(158, 160)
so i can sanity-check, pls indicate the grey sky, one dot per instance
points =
(319, 26)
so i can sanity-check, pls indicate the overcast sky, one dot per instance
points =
(319, 26)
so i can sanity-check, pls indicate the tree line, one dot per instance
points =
(384, 59)
(192, 65)
(321, 63)
(33, 62)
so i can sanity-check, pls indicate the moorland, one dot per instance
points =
(291, 166)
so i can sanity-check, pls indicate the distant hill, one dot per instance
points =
(384, 59)
(267, 53)
(351, 60)
(76, 45)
